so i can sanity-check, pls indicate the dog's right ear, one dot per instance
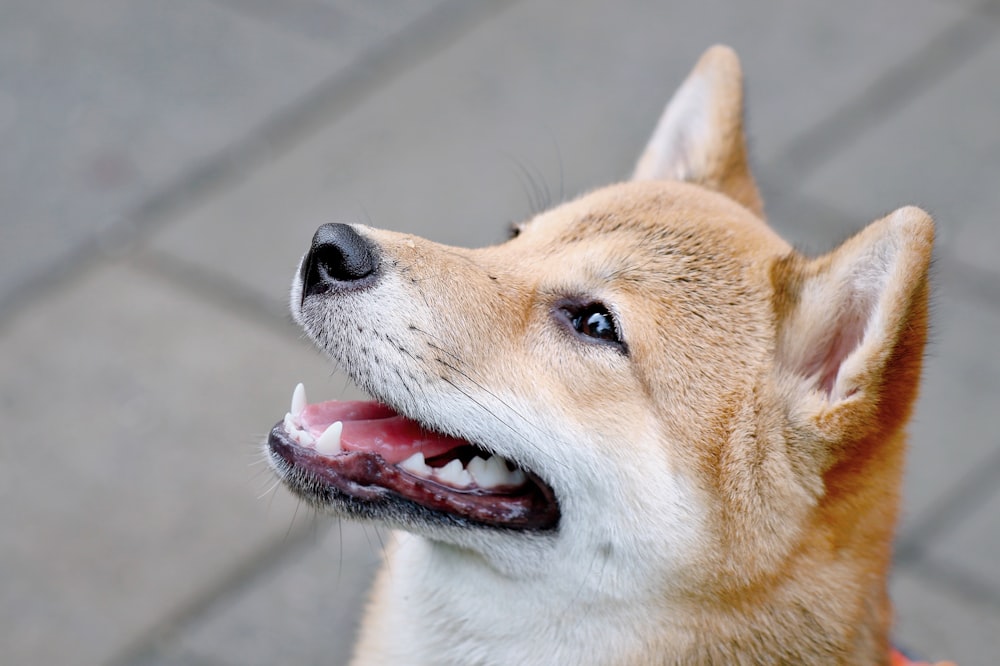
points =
(851, 329)
(699, 137)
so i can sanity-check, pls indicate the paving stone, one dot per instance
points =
(568, 97)
(974, 543)
(938, 152)
(934, 624)
(305, 611)
(104, 103)
(157, 396)
(953, 431)
(130, 463)
(812, 227)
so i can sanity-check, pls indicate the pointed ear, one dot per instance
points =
(852, 326)
(699, 138)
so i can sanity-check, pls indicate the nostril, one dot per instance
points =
(338, 255)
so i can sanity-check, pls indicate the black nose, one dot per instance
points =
(338, 257)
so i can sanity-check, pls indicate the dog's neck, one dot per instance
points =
(435, 604)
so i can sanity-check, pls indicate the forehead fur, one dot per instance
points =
(675, 216)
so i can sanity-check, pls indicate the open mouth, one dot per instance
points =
(369, 453)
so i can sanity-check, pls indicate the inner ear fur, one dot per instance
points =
(699, 138)
(852, 326)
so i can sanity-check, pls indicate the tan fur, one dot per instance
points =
(772, 387)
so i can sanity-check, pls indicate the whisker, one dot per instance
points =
(291, 523)
(503, 422)
(476, 383)
(491, 394)
(270, 490)
(559, 161)
(381, 541)
(444, 351)
(270, 500)
(482, 388)
(340, 562)
(533, 183)
(436, 347)
(528, 185)
(583, 583)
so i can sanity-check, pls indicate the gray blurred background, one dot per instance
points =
(164, 164)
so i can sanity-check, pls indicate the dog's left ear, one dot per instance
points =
(699, 138)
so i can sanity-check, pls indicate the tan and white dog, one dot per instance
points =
(644, 430)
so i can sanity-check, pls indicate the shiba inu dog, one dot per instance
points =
(645, 430)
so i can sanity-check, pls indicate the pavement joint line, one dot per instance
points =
(956, 581)
(155, 640)
(425, 36)
(941, 56)
(977, 485)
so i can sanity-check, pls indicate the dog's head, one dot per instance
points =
(646, 380)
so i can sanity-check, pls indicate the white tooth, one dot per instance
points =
(517, 477)
(329, 442)
(454, 474)
(298, 399)
(477, 467)
(415, 465)
(496, 474)
(289, 424)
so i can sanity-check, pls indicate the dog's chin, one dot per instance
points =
(363, 460)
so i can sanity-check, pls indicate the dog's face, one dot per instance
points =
(645, 380)
(587, 351)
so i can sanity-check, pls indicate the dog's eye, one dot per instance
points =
(592, 320)
(596, 324)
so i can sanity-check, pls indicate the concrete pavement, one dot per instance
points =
(165, 164)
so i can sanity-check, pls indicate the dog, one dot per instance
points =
(643, 430)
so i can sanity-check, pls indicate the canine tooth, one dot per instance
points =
(329, 442)
(298, 399)
(454, 474)
(289, 424)
(415, 465)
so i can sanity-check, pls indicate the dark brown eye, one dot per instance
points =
(592, 321)
(596, 323)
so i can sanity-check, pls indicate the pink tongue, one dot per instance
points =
(371, 426)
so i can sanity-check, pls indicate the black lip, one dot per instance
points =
(363, 484)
